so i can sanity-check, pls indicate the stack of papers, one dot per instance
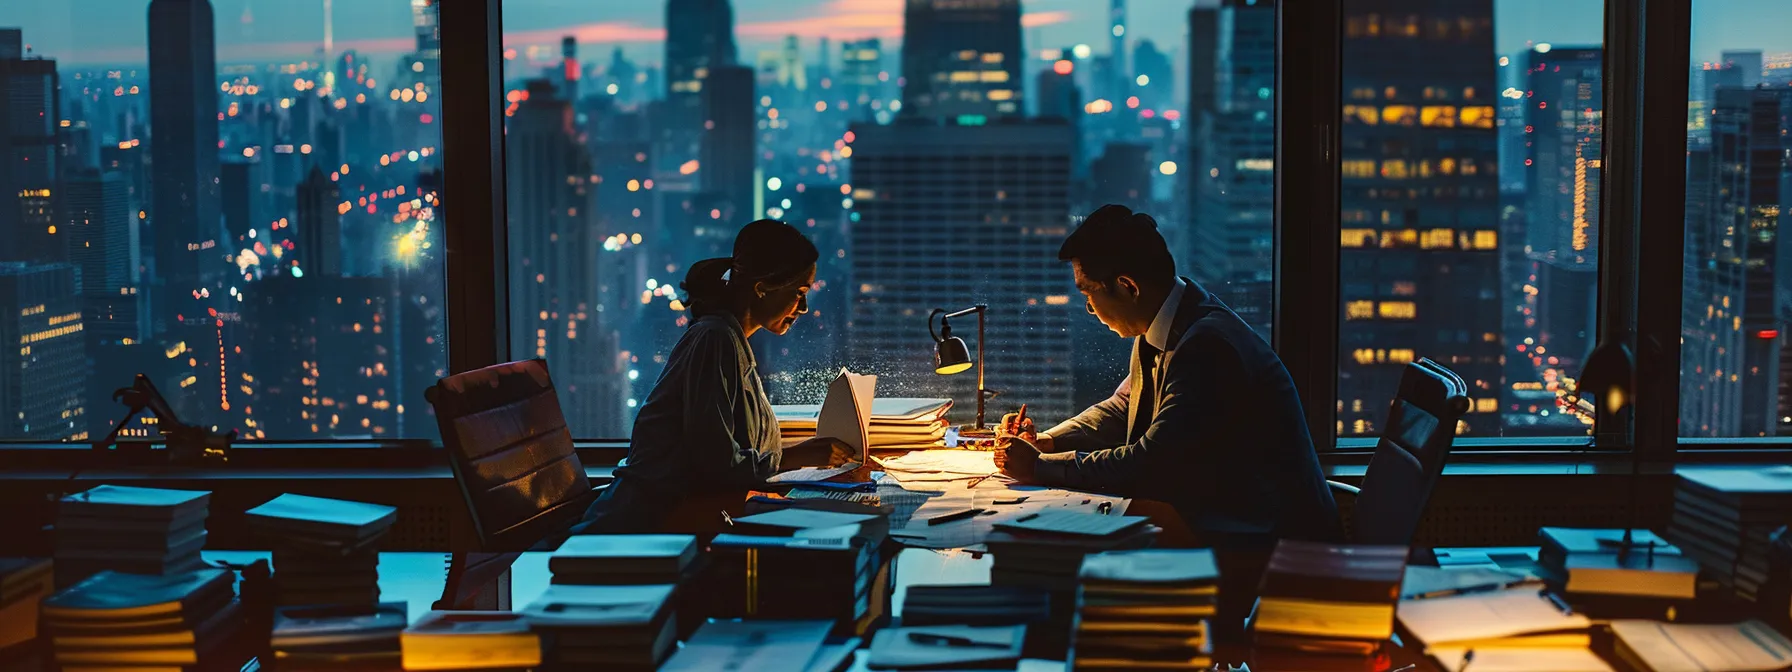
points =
(129, 529)
(605, 627)
(762, 645)
(326, 551)
(932, 466)
(955, 647)
(799, 563)
(623, 559)
(470, 640)
(894, 424)
(1045, 550)
(24, 582)
(1651, 646)
(1335, 598)
(1521, 618)
(338, 637)
(975, 605)
(113, 619)
(1722, 518)
(1146, 607)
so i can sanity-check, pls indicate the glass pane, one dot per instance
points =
(1471, 154)
(236, 201)
(940, 168)
(1735, 380)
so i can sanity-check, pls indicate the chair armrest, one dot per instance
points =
(1345, 487)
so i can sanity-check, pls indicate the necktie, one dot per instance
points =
(1145, 394)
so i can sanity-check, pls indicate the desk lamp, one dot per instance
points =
(951, 356)
(1610, 376)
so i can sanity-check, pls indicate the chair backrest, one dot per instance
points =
(511, 452)
(1409, 458)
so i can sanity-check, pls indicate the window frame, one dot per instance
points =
(1644, 187)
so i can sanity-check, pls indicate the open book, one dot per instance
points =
(845, 415)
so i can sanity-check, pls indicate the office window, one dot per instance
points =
(1488, 150)
(633, 153)
(231, 200)
(1735, 374)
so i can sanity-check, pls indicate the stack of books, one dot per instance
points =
(608, 559)
(1145, 609)
(1329, 598)
(1592, 569)
(113, 619)
(470, 640)
(1516, 628)
(333, 638)
(24, 583)
(129, 529)
(625, 628)
(326, 551)
(975, 605)
(897, 423)
(1046, 550)
(803, 564)
(1722, 518)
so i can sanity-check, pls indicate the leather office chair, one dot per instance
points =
(513, 459)
(1416, 442)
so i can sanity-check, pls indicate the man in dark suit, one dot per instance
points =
(1208, 421)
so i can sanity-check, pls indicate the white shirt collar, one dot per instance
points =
(1158, 335)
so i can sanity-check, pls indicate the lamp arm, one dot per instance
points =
(930, 331)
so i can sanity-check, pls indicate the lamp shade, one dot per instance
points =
(952, 356)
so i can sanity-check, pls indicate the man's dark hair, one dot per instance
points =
(1115, 241)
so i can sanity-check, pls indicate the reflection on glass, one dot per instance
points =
(1470, 172)
(216, 198)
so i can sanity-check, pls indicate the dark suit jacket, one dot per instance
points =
(1226, 443)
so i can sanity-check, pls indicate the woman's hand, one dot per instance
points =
(821, 451)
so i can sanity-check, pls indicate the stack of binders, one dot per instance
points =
(112, 620)
(1589, 567)
(326, 551)
(337, 638)
(1329, 598)
(636, 559)
(24, 583)
(626, 628)
(1723, 519)
(129, 529)
(1145, 609)
(470, 640)
(803, 564)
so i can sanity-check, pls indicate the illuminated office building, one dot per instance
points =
(961, 60)
(184, 214)
(569, 68)
(42, 394)
(1733, 379)
(699, 40)
(103, 243)
(862, 75)
(30, 149)
(1562, 110)
(1419, 207)
(1231, 172)
(554, 260)
(950, 216)
(320, 225)
(728, 156)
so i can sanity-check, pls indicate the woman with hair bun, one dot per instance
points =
(707, 425)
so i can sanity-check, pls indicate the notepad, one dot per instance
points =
(1478, 618)
(1521, 659)
(1071, 522)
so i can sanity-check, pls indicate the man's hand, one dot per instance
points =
(1013, 426)
(821, 451)
(1016, 457)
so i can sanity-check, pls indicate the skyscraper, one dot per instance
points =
(1419, 206)
(862, 74)
(569, 68)
(728, 158)
(235, 184)
(1563, 111)
(30, 150)
(699, 39)
(554, 273)
(1748, 63)
(950, 216)
(1152, 75)
(103, 243)
(1118, 72)
(320, 225)
(1232, 155)
(961, 59)
(1740, 283)
(42, 389)
(183, 114)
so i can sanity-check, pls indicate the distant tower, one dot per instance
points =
(961, 60)
(699, 39)
(30, 147)
(320, 226)
(1117, 46)
(569, 68)
(183, 107)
